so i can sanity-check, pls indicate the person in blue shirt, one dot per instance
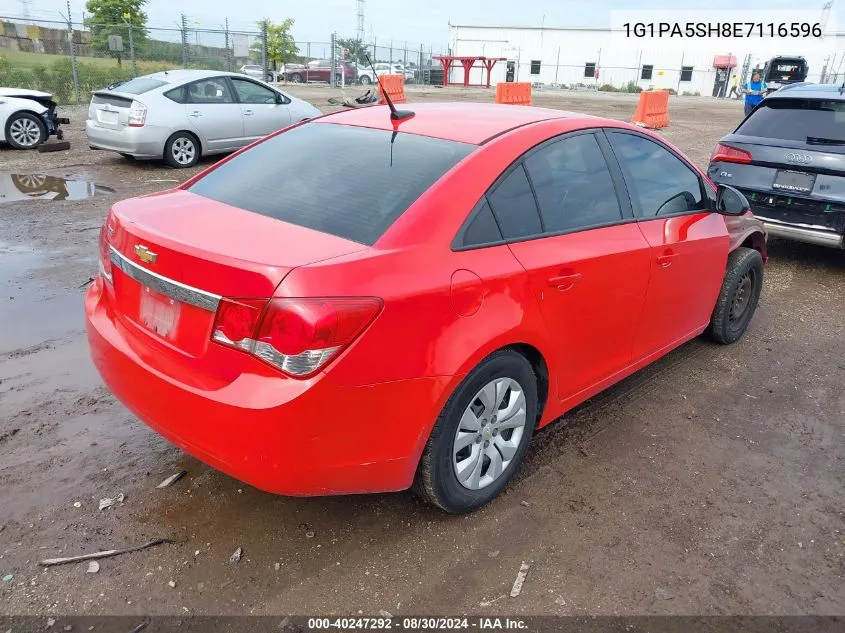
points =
(754, 92)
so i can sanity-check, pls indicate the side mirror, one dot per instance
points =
(279, 98)
(729, 201)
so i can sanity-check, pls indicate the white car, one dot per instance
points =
(180, 115)
(383, 68)
(28, 117)
(254, 70)
(365, 75)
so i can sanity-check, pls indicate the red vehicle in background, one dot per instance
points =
(416, 321)
(321, 70)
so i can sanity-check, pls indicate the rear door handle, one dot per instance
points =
(196, 113)
(664, 260)
(564, 282)
(248, 112)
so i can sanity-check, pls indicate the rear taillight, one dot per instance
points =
(105, 259)
(298, 336)
(137, 114)
(727, 154)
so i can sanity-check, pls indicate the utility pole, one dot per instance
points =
(264, 50)
(334, 49)
(74, 68)
(184, 41)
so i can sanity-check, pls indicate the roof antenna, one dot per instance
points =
(395, 115)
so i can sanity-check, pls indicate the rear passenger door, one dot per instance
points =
(586, 259)
(689, 243)
(214, 113)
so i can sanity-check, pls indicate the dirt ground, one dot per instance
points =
(709, 483)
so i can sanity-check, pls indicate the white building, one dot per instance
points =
(571, 55)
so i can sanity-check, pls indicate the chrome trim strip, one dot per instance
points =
(173, 289)
(811, 236)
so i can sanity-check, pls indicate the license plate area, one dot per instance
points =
(159, 313)
(794, 181)
(107, 117)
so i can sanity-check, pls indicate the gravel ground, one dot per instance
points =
(709, 483)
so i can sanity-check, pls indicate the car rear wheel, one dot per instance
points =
(481, 436)
(739, 296)
(364, 80)
(25, 130)
(296, 78)
(182, 150)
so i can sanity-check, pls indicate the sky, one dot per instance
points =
(418, 22)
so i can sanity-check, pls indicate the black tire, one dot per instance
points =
(35, 135)
(337, 79)
(182, 139)
(364, 80)
(296, 78)
(738, 297)
(436, 481)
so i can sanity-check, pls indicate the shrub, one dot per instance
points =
(608, 88)
(632, 87)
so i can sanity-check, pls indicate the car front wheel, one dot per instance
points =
(738, 297)
(25, 130)
(182, 150)
(481, 436)
(364, 80)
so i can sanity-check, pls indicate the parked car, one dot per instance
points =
(180, 115)
(254, 70)
(788, 158)
(28, 117)
(271, 325)
(383, 68)
(365, 75)
(321, 70)
(784, 71)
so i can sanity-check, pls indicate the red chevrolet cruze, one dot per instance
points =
(356, 304)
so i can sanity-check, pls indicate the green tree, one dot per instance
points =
(112, 17)
(357, 49)
(281, 47)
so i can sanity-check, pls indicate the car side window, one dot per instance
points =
(482, 229)
(251, 92)
(512, 202)
(573, 184)
(206, 91)
(658, 181)
(177, 94)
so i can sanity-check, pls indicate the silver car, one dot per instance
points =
(180, 115)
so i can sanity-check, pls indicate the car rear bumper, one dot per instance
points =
(278, 434)
(140, 142)
(803, 234)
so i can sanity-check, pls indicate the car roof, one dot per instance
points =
(810, 91)
(464, 122)
(181, 75)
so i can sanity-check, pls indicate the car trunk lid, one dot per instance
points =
(110, 109)
(174, 255)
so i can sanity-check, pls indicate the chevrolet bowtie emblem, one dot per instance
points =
(145, 254)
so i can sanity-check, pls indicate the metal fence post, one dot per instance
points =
(228, 48)
(264, 49)
(73, 66)
(184, 30)
(132, 50)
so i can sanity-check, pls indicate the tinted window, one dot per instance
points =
(797, 120)
(177, 94)
(250, 92)
(214, 90)
(573, 184)
(590, 69)
(304, 176)
(535, 66)
(658, 181)
(647, 70)
(514, 206)
(483, 228)
(686, 73)
(140, 85)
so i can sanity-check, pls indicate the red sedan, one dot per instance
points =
(356, 304)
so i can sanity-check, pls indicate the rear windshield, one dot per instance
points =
(140, 85)
(336, 179)
(785, 70)
(804, 120)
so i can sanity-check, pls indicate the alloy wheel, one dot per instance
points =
(183, 150)
(489, 433)
(25, 132)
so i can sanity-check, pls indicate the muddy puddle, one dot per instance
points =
(29, 312)
(23, 187)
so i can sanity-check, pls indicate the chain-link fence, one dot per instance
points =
(72, 59)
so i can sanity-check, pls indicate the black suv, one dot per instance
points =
(788, 158)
